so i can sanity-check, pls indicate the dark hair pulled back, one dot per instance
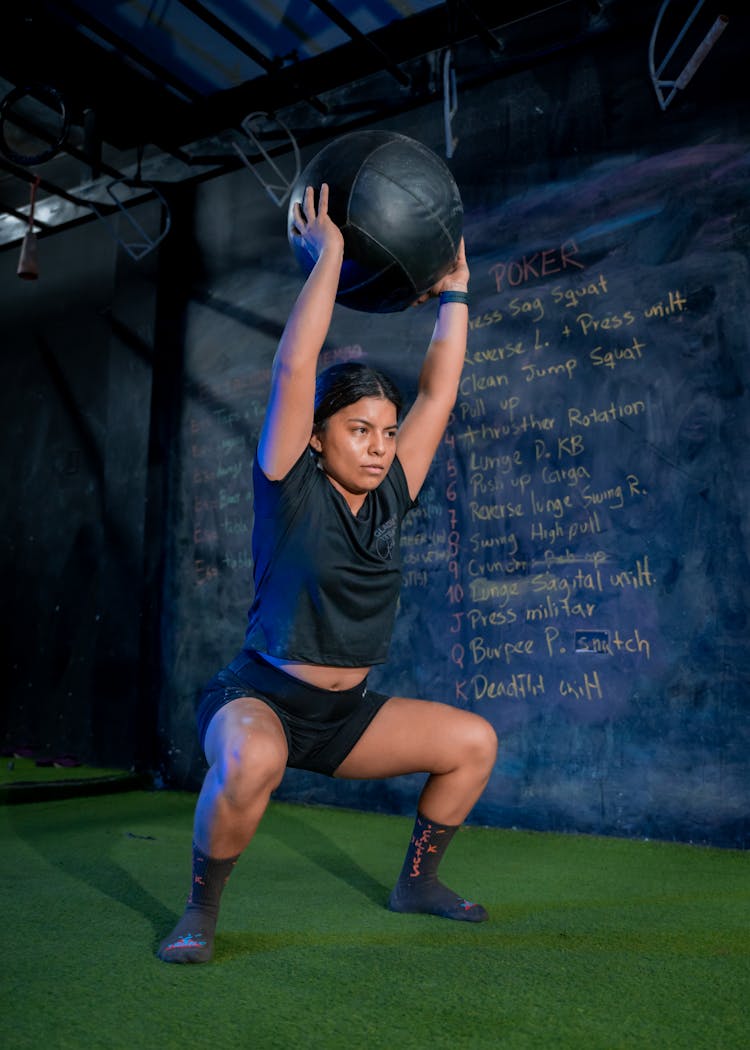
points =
(343, 384)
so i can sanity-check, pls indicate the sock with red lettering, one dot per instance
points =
(418, 888)
(192, 939)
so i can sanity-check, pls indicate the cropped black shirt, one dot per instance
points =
(326, 581)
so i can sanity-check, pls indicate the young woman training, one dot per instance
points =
(333, 477)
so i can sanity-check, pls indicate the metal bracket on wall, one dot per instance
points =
(667, 89)
(273, 189)
(139, 248)
(450, 103)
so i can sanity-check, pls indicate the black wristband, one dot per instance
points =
(454, 297)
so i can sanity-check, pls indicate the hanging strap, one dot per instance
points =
(32, 198)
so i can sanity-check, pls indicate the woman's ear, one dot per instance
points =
(315, 443)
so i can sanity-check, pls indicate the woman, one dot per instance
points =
(334, 476)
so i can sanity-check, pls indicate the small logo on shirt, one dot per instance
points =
(385, 537)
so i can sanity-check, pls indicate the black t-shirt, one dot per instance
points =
(326, 581)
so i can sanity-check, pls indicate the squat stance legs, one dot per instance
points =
(247, 751)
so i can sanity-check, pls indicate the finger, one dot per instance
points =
(460, 260)
(299, 217)
(310, 203)
(323, 199)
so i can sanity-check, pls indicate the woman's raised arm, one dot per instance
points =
(425, 423)
(289, 415)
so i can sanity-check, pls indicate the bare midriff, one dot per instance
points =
(334, 678)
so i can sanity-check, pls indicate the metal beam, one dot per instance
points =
(404, 41)
(6, 210)
(364, 41)
(483, 30)
(131, 52)
(235, 39)
(49, 187)
(57, 191)
(270, 65)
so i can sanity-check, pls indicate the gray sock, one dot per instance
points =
(418, 888)
(192, 939)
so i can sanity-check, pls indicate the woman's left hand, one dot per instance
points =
(456, 280)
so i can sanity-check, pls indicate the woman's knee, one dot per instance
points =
(479, 741)
(250, 765)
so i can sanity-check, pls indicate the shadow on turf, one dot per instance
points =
(109, 878)
(315, 846)
(104, 874)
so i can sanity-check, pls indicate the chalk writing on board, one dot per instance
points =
(525, 541)
(516, 534)
(223, 421)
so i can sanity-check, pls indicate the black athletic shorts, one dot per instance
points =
(321, 725)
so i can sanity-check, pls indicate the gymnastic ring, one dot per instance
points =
(46, 94)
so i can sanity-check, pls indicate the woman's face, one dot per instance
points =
(357, 444)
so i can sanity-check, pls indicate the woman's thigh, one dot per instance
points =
(414, 736)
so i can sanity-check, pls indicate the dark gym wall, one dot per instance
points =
(76, 353)
(577, 570)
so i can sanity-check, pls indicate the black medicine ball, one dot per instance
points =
(400, 212)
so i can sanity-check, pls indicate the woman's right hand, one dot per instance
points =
(314, 229)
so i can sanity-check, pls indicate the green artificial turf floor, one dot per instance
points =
(26, 780)
(16, 772)
(592, 943)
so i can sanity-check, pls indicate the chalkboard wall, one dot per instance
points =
(577, 569)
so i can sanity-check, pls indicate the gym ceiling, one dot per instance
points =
(102, 102)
